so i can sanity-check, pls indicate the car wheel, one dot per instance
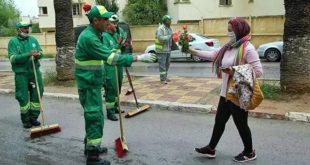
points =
(196, 59)
(272, 55)
(153, 53)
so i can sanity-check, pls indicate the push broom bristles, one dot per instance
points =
(137, 111)
(44, 130)
(120, 148)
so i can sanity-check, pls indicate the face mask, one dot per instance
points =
(232, 36)
(23, 34)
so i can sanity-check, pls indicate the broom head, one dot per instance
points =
(44, 130)
(137, 111)
(121, 147)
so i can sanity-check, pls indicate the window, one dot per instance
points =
(225, 2)
(76, 9)
(181, 1)
(43, 10)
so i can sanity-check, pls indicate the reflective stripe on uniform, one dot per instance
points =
(110, 105)
(163, 72)
(24, 109)
(158, 44)
(116, 50)
(112, 59)
(89, 64)
(94, 142)
(34, 106)
(12, 58)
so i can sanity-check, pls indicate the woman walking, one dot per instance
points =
(237, 51)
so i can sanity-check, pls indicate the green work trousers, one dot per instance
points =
(27, 95)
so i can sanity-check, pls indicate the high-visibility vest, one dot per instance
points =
(158, 44)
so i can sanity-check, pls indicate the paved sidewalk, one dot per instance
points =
(181, 94)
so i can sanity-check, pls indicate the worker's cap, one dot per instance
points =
(98, 12)
(165, 18)
(23, 24)
(114, 18)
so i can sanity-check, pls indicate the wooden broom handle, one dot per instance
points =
(118, 104)
(38, 90)
(133, 90)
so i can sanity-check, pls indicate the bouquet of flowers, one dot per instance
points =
(184, 40)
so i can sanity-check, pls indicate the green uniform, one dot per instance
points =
(25, 89)
(113, 41)
(89, 58)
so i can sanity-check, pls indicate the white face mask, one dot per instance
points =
(232, 36)
(23, 34)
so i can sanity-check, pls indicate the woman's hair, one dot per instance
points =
(240, 27)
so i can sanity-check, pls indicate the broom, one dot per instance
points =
(120, 143)
(138, 109)
(44, 129)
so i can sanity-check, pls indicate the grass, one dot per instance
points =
(49, 55)
(272, 90)
(50, 79)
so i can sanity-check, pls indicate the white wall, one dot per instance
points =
(121, 4)
(48, 21)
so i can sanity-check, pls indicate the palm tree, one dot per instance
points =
(295, 63)
(64, 40)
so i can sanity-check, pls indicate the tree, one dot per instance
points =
(109, 5)
(295, 63)
(9, 15)
(144, 12)
(64, 40)
(35, 28)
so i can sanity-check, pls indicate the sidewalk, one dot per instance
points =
(181, 94)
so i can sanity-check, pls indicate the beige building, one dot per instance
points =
(195, 10)
(47, 14)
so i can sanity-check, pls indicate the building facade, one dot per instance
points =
(195, 10)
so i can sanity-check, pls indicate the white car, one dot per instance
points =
(198, 41)
(271, 51)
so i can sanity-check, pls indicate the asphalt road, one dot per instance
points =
(154, 138)
(187, 69)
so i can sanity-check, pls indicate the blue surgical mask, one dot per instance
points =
(232, 36)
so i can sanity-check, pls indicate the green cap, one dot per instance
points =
(166, 17)
(99, 12)
(23, 24)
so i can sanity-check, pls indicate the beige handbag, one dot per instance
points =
(256, 98)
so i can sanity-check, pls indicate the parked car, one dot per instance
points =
(271, 51)
(123, 25)
(198, 41)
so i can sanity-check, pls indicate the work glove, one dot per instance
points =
(147, 57)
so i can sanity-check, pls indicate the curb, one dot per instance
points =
(172, 106)
(181, 107)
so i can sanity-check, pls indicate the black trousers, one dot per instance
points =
(240, 117)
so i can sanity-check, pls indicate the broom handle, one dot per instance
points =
(38, 90)
(133, 90)
(118, 104)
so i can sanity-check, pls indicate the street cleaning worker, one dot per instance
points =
(113, 39)
(21, 49)
(90, 55)
(163, 43)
